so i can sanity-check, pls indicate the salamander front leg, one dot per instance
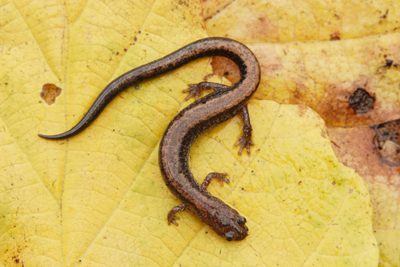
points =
(220, 176)
(245, 139)
(196, 90)
(175, 210)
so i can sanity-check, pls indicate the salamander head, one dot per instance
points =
(227, 222)
(221, 218)
(236, 230)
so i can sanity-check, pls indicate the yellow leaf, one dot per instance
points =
(99, 199)
(304, 20)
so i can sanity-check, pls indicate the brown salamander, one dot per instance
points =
(205, 113)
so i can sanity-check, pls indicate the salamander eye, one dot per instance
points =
(241, 220)
(229, 236)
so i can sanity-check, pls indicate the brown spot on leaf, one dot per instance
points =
(334, 106)
(335, 36)
(50, 92)
(384, 16)
(389, 63)
(13, 258)
(361, 101)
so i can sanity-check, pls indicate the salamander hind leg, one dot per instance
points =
(245, 139)
(196, 90)
(175, 210)
(214, 175)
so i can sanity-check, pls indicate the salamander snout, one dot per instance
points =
(238, 230)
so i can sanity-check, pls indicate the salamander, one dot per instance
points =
(205, 113)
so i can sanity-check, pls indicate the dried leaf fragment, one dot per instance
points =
(50, 92)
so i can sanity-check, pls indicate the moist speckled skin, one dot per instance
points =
(189, 124)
